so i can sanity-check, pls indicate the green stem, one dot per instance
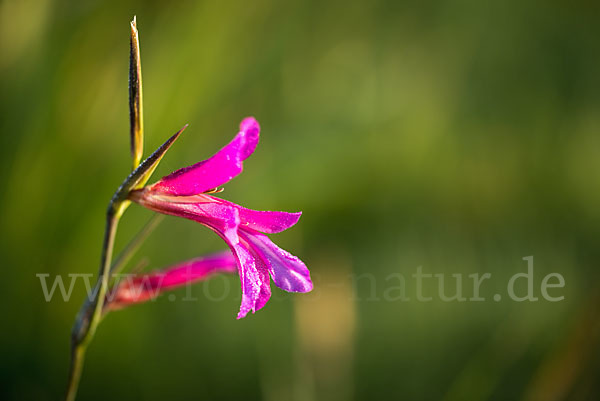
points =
(77, 357)
(91, 311)
(112, 220)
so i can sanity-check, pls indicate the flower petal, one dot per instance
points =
(256, 255)
(202, 207)
(249, 277)
(141, 288)
(264, 221)
(267, 221)
(216, 171)
(226, 225)
(288, 272)
(265, 285)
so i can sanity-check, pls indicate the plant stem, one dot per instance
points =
(77, 357)
(91, 311)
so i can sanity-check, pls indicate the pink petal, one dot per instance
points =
(249, 277)
(256, 255)
(288, 272)
(224, 220)
(265, 285)
(254, 277)
(264, 221)
(132, 290)
(197, 269)
(205, 207)
(267, 221)
(216, 171)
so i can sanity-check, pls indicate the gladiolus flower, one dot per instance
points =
(185, 193)
(144, 287)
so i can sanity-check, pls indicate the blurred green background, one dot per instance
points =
(460, 136)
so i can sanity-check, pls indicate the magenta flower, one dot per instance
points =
(185, 193)
(144, 287)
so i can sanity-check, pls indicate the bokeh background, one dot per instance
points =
(460, 136)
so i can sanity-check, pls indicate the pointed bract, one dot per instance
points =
(142, 173)
(136, 114)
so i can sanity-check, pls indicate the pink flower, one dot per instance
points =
(185, 193)
(141, 288)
